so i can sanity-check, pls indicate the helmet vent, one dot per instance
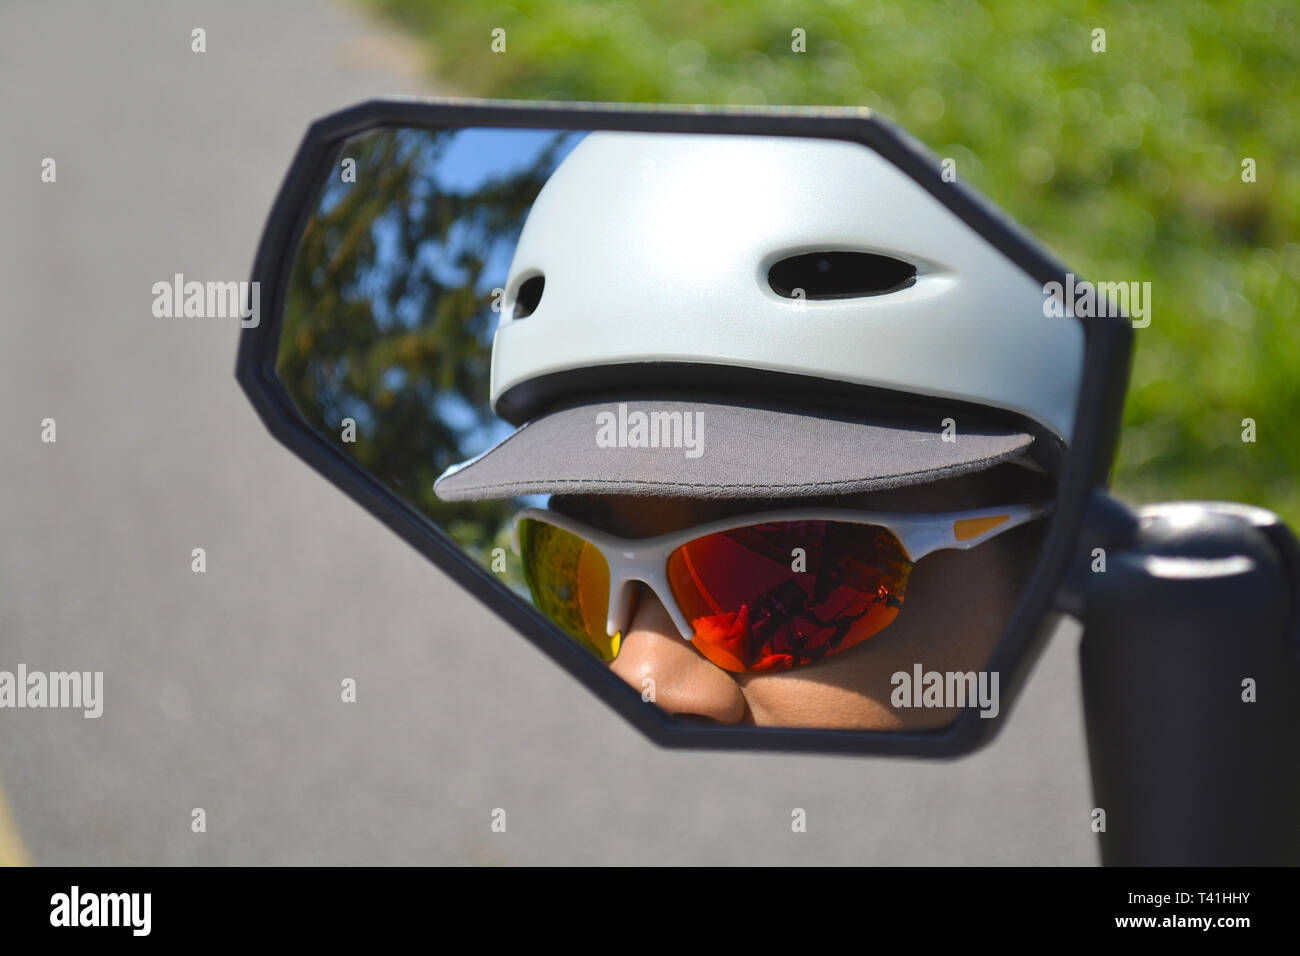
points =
(839, 275)
(528, 297)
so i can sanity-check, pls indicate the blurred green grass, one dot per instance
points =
(1127, 163)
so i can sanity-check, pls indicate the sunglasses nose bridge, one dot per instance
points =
(629, 568)
(620, 605)
(683, 626)
(626, 568)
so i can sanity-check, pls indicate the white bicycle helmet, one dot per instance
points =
(746, 280)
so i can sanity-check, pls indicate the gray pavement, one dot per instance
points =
(222, 689)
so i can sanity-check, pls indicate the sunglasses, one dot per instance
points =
(757, 592)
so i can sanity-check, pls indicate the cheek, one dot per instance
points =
(956, 607)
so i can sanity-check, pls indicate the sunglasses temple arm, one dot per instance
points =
(1021, 514)
(947, 539)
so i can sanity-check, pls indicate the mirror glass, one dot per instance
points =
(754, 420)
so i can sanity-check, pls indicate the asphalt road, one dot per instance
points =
(222, 689)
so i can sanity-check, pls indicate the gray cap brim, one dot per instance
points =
(715, 449)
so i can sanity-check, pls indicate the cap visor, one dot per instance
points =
(712, 449)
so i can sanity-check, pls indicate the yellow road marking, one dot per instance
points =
(12, 851)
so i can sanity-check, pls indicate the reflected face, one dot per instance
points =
(957, 605)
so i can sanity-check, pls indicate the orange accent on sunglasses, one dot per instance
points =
(968, 528)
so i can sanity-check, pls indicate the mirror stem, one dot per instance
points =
(1190, 663)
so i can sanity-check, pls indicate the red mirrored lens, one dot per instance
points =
(778, 595)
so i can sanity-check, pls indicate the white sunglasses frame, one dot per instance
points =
(645, 560)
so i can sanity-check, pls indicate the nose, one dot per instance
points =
(684, 682)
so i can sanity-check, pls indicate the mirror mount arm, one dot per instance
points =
(1190, 666)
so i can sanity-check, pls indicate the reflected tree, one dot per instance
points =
(390, 314)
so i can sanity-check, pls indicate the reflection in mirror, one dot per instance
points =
(712, 404)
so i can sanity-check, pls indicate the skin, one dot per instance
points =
(956, 608)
